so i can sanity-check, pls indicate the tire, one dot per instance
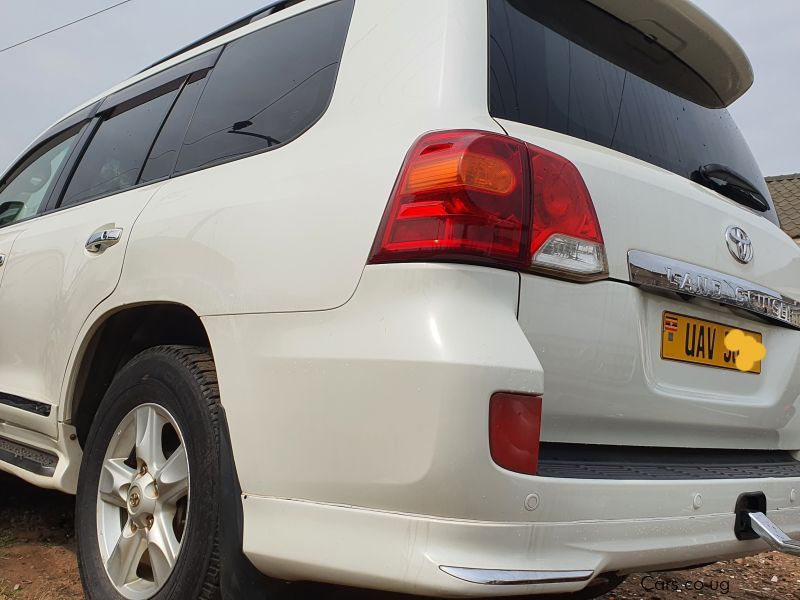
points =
(163, 406)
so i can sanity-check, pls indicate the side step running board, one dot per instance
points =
(28, 458)
(773, 535)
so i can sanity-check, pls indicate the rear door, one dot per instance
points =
(68, 258)
(643, 128)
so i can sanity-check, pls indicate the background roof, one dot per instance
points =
(785, 190)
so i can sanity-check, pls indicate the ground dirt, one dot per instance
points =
(37, 562)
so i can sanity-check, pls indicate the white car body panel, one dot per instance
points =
(217, 230)
(436, 353)
(51, 284)
(611, 334)
(403, 553)
(6, 243)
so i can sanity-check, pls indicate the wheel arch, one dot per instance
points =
(111, 341)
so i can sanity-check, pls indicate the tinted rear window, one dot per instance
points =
(570, 67)
(268, 87)
(164, 154)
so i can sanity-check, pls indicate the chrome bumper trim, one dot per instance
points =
(653, 271)
(501, 577)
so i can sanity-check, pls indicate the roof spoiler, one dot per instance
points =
(693, 36)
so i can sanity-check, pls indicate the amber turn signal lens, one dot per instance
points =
(474, 171)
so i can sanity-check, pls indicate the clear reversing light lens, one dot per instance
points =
(565, 253)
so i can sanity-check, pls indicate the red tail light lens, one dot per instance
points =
(461, 195)
(515, 422)
(484, 198)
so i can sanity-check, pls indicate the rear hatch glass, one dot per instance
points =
(572, 68)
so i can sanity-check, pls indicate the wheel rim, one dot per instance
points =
(143, 502)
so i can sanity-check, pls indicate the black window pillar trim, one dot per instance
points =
(68, 169)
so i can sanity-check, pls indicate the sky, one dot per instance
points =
(769, 114)
(47, 77)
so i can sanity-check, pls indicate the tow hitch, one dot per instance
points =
(752, 523)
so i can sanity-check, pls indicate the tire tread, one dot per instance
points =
(200, 363)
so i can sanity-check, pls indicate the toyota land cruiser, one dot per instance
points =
(428, 297)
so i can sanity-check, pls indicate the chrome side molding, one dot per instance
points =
(501, 577)
(653, 271)
(773, 535)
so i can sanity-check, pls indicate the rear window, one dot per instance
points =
(572, 68)
(268, 87)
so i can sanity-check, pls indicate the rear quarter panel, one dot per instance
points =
(291, 229)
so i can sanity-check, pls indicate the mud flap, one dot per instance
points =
(239, 579)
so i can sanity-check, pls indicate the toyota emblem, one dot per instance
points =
(739, 244)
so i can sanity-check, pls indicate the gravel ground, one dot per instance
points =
(37, 562)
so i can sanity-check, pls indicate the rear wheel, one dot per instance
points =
(148, 496)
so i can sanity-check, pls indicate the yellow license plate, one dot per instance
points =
(700, 342)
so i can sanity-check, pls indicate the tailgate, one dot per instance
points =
(639, 128)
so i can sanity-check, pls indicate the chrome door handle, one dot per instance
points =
(2, 259)
(100, 240)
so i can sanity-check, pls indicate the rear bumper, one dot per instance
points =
(406, 553)
(383, 402)
(360, 437)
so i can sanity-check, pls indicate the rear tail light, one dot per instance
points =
(515, 422)
(566, 234)
(484, 198)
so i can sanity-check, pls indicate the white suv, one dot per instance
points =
(425, 296)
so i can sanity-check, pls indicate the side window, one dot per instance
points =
(164, 154)
(268, 87)
(26, 189)
(116, 154)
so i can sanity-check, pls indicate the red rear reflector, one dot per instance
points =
(484, 198)
(515, 422)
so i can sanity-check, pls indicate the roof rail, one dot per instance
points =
(269, 9)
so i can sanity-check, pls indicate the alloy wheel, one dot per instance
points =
(143, 502)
